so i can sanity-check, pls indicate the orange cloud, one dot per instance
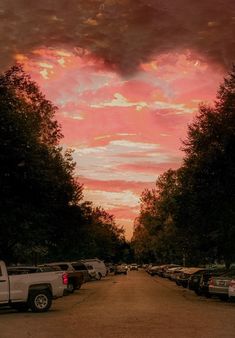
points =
(115, 185)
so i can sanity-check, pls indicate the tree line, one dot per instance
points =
(43, 215)
(189, 217)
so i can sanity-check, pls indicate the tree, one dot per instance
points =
(210, 158)
(154, 234)
(36, 178)
(191, 212)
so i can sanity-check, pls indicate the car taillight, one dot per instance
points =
(65, 278)
(211, 281)
(232, 283)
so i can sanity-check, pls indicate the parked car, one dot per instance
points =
(199, 282)
(134, 266)
(92, 272)
(149, 266)
(77, 273)
(23, 290)
(120, 269)
(81, 267)
(175, 273)
(218, 286)
(109, 267)
(98, 265)
(171, 271)
(153, 269)
(159, 269)
(186, 273)
(165, 270)
(144, 266)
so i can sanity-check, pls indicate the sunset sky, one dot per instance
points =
(127, 77)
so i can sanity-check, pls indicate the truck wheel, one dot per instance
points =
(70, 287)
(78, 286)
(98, 276)
(40, 301)
(198, 292)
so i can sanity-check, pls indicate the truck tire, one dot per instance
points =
(79, 286)
(70, 287)
(98, 276)
(40, 300)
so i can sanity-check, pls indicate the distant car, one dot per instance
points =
(153, 269)
(133, 267)
(120, 269)
(219, 286)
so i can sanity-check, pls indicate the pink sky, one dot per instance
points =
(124, 131)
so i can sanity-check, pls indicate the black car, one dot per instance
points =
(195, 279)
(186, 274)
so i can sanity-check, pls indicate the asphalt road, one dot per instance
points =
(136, 305)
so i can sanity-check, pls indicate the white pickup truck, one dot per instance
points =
(22, 290)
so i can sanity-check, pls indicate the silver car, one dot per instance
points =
(218, 286)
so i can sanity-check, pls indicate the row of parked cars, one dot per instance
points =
(213, 281)
(34, 287)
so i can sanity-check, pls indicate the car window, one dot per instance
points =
(79, 267)
(63, 266)
(48, 269)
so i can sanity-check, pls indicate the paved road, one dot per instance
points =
(135, 305)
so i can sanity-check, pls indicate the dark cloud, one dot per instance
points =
(121, 32)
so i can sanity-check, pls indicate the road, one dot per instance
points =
(136, 305)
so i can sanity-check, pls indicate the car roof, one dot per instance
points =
(192, 270)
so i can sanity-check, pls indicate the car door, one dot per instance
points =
(4, 289)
